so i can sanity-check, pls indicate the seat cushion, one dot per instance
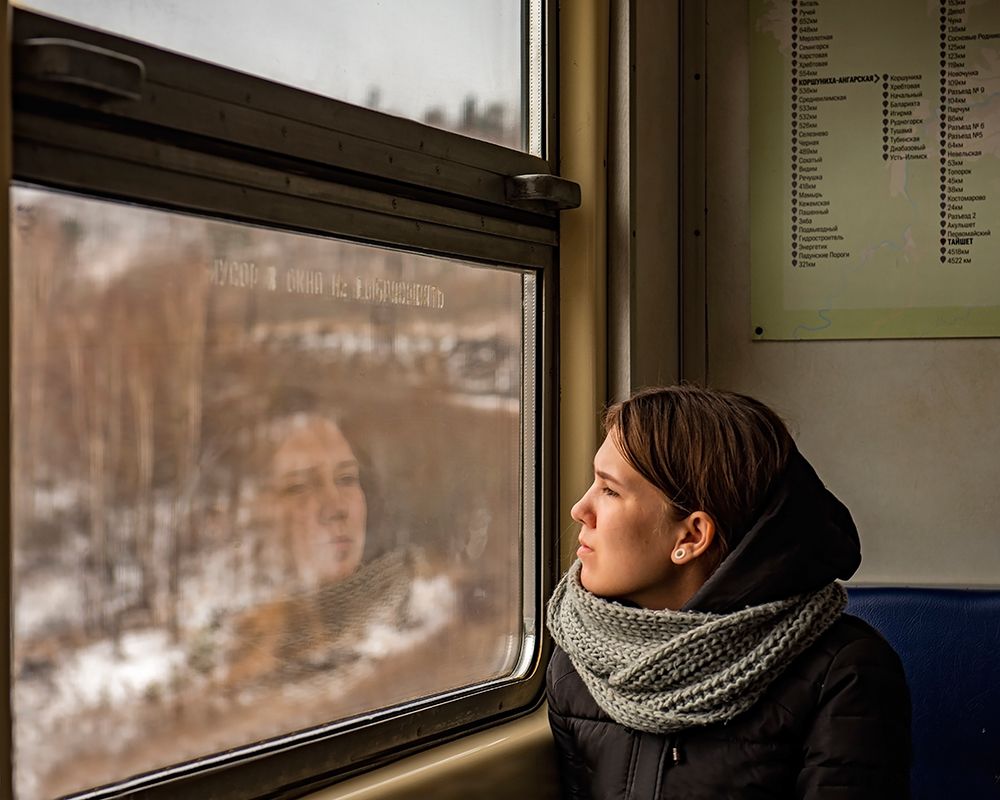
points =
(949, 642)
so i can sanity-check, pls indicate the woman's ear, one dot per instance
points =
(695, 535)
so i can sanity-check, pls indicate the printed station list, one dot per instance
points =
(816, 233)
(961, 136)
(817, 95)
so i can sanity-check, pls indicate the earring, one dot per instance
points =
(679, 553)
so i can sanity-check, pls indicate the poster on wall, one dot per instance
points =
(875, 169)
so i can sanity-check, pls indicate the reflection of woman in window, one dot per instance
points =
(319, 500)
(345, 606)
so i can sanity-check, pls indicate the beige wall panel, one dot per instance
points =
(512, 760)
(656, 319)
(906, 432)
(583, 143)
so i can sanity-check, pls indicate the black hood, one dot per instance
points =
(802, 540)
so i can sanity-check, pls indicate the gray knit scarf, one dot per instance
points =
(663, 671)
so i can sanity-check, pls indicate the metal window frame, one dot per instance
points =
(645, 235)
(206, 140)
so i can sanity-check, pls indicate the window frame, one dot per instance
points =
(207, 140)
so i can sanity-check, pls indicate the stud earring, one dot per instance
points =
(679, 553)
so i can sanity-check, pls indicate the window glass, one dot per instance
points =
(263, 481)
(450, 63)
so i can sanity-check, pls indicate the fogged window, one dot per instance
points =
(263, 481)
(459, 65)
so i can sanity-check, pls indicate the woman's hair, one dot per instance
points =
(706, 450)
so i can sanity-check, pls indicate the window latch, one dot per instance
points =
(100, 73)
(559, 193)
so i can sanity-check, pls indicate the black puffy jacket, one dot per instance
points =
(835, 725)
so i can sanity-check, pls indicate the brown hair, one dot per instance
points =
(706, 450)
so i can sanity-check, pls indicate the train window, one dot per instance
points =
(466, 67)
(287, 484)
(282, 393)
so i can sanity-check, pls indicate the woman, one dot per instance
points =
(703, 652)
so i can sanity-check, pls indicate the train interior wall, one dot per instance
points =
(904, 431)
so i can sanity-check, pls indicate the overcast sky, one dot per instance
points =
(419, 53)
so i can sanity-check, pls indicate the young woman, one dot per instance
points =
(702, 649)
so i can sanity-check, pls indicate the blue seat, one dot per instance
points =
(949, 642)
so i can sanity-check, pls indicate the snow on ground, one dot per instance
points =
(48, 598)
(97, 675)
(51, 708)
(431, 606)
(100, 692)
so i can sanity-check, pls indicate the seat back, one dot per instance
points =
(949, 642)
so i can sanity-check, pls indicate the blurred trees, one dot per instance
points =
(144, 383)
(108, 377)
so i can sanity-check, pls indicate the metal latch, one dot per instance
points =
(558, 192)
(100, 72)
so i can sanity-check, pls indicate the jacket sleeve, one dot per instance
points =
(572, 770)
(858, 747)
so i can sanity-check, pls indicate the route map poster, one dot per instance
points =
(875, 169)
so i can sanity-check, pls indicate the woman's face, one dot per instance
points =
(625, 534)
(321, 503)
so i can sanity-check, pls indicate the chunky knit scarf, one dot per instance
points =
(663, 671)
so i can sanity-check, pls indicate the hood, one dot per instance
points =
(803, 539)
